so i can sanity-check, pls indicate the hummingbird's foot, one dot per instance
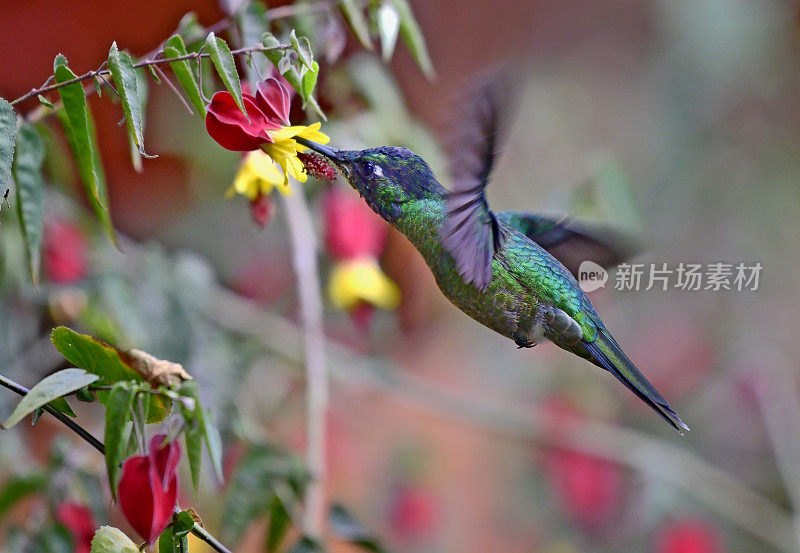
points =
(524, 342)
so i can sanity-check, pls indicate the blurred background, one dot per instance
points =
(678, 120)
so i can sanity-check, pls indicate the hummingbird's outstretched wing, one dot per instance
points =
(574, 241)
(470, 232)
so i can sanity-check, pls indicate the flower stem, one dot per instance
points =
(301, 230)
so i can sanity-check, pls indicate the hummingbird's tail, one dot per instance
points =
(607, 354)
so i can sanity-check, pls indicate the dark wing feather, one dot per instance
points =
(470, 231)
(573, 241)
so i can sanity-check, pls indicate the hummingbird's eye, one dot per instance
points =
(367, 169)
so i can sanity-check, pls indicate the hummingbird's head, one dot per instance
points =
(386, 177)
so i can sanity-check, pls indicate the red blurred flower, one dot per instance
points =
(267, 110)
(65, 252)
(148, 487)
(261, 209)
(414, 512)
(589, 488)
(688, 536)
(352, 229)
(78, 520)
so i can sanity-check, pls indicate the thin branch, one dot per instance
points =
(304, 248)
(163, 76)
(84, 434)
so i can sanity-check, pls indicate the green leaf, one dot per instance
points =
(17, 488)
(93, 355)
(122, 71)
(388, 23)
(279, 523)
(152, 70)
(85, 395)
(194, 447)
(79, 128)
(306, 544)
(166, 541)
(309, 82)
(45, 102)
(413, 39)
(206, 427)
(222, 58)
(30, 194)
(351, 9)
(112, 540)
(184, 71)
(303, 49)
(118, 413)
(345, 526)
(48, 389)
(60, 404)
(268, 40)
(190, 29)
(182, 523)
(8, 129)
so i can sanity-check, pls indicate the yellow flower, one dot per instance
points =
(258, 175)
(360, 280)
(284, 148)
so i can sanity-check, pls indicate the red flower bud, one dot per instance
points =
(352, 229)
(78, 520)
(267, 110)
(261, 209)
(65, 252)
(688, 536)
(148, 488)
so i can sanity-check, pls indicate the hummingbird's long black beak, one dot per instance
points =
(331, 153)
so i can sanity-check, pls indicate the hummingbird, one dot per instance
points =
(514, 272)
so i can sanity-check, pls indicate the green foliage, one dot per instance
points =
(30, 194)
(17, 488)
(265, 475)
(8, 129)
(413, 37)
(124, 74)
(193, 438)
(93, 355)
(354, 15)
(345, 526)
(118, 413)
(223, 61)
(303, 81)
(79, 128)
(184, 71)
(175, 538)
(303, 49)
(48, 389)
(205, 426)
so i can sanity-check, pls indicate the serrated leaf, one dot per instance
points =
(413, 38)
(19, 487)
(30, 194)
(279, 523)
(184, 71)
(79, 128)
(48, 389)
(118, 413)
(122, 71)
(93, 355)
(8, 130)
(223, 61)
(388, 23)
(351, 9)
(112, 540)
(303, 49)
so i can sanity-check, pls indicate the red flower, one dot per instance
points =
(414, 513)
(261, 209)
(65, 252)
(78, 520)
(352, 229)
(267, 110)
(148, 487)
(688, 536)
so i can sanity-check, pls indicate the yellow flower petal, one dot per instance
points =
(256, 175)
(362, 280)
